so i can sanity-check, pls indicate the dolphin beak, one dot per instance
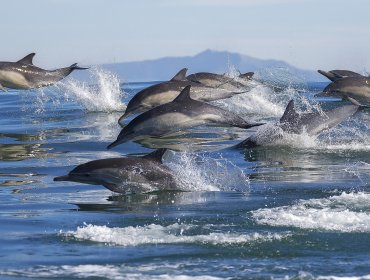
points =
(115, 143)
(62, 178)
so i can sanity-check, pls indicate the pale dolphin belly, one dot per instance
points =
(14, 80)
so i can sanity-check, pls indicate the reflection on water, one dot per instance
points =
(137, 202)
(196, 139)
(17, 152)
(287, 164)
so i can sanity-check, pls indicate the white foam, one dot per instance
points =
(101, 94)
(348, 212)
(202, 173)
(102, 271)
(259, 100)
(364, 277)
(157, 234)
(273, 135)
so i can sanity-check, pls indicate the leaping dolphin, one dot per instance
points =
(165, 92)
(296, 123)
(357, 88)
(24, 75)
(334, 75)
(220, 81)
(182, 113)
(125, 175)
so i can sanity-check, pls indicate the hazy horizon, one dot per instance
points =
(306, 34)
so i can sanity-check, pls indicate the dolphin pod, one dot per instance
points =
(180, 104)
(165, 92)
(24, 75)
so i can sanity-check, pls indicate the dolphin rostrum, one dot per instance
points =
(165, 92)
(293, 122)
(24, 75)
(182, 113)
(357, 88)
(334, 75)
(125, 175)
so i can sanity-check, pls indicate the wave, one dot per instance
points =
(171, 234)
(95, 271)
(348, 212)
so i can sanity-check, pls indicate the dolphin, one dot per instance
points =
(334, 75)
(125, 175)
(293, 122)
(220, 81)
(357, 88)
(165, 92)
(183, 112)
(24, 75)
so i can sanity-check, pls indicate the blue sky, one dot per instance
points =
(310, 34)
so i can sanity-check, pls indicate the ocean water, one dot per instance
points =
(299, 209)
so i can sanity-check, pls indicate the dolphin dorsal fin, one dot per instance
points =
(27, 59)
(181, 75)
(184, 95)
(156, 155)
(290, 113)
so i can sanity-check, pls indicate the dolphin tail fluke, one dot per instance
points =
(74, 66)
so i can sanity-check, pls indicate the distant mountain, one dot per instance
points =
(211, 61)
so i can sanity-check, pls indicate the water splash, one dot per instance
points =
(101, 94)
(201, 173)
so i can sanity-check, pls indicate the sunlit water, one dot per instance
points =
(295, 209)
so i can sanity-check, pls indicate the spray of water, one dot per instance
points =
(202, 173)
(101, 94)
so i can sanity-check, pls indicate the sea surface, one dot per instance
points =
(299, 209)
